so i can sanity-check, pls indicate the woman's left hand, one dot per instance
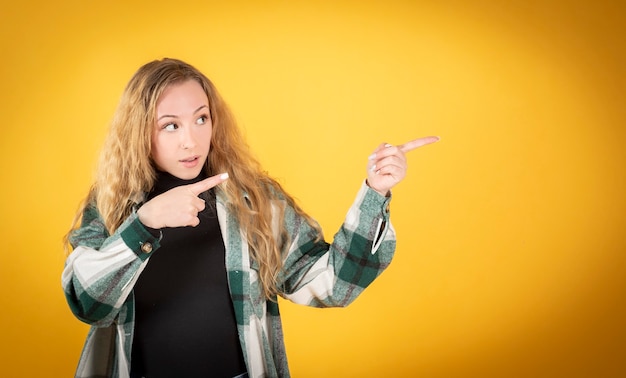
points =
(387, 165)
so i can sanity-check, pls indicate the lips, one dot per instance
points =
(189, 159)
(190, 162)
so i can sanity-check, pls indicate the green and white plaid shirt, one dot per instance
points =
(100, 273)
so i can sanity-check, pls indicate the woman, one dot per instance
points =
(184, 243)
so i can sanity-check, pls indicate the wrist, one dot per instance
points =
(144, 218)
(384, 193)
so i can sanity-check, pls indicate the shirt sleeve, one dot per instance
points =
(101, 271)
(319, 274)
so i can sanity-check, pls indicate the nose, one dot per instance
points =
(187, 139)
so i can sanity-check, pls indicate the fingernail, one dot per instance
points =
(388, 145)
(224, 176)
(373, 168)
(372, 156)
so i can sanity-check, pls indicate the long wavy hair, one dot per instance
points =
(126, 172)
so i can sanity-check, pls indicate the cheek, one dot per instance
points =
(159, 150)
(207, 136)
(155, 157)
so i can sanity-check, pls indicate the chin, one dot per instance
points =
(189, 176)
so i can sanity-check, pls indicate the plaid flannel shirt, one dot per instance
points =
(100, 273)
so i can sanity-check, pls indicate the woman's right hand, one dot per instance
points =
(178, 207)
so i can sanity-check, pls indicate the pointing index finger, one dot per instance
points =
(409, 146)
(206, 184)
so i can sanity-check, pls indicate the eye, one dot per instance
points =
(170, 127)
(202, 120)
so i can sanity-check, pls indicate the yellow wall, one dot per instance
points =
(511, 253)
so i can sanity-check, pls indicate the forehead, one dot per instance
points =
(180, 97)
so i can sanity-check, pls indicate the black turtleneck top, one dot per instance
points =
(185, 324)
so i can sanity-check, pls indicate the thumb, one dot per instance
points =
(206, 184)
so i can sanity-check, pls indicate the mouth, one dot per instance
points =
(190, 159)
(190, 162)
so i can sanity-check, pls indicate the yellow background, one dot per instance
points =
(511, 252)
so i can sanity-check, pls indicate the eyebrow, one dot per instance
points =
(175, 116)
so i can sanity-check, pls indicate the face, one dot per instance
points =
(182, 134)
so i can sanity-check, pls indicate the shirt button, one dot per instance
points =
(146, 247)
